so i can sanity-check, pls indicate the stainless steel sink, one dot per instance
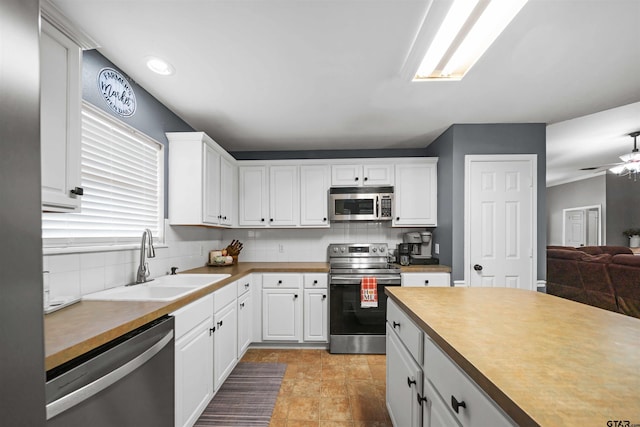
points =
(164, 288)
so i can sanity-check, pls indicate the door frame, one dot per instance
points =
(477, 158)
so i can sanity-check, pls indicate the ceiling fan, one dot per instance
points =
(630, 165)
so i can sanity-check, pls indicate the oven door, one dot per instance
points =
(347, 317)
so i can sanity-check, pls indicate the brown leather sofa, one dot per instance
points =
(607, 277)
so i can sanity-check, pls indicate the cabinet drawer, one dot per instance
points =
(244, 285)
(452, 383)
(223, 296)
(315, 280)
(190, 316)
(410, 335)
(281, 280)
(425, 279)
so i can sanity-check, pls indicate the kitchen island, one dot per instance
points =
(542, 359)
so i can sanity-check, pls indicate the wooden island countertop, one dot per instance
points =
(543, 359)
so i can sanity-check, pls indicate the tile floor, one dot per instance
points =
(320, 389)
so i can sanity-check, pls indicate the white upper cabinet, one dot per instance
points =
(202, 181)
(269, 196)
(314, 187)
(416, 194)
(254, 199)
(350, 175)
(284, 204)
(60, 122)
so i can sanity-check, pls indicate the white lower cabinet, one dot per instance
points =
(315, 315)
(193, 360)
(281, 314)
(245, 314)
(404, 383)
(426, 279)
(225, 336)
(434, 411)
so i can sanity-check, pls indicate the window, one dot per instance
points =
(123, 180)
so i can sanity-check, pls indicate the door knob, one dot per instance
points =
(477, 267)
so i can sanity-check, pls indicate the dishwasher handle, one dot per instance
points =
(80, 395)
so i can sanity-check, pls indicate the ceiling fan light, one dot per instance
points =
(618, 169)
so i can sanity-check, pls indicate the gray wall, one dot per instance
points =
(586, 192)
(485, 139)
(22, 400)
(623, 208)
(151, 116)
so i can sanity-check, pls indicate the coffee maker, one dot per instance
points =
(403, 253)
(419, 247)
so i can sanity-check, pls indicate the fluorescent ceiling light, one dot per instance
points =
(467, 31)
(160, 66)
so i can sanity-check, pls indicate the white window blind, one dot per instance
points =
(122, 175)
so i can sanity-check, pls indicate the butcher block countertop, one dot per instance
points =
(76, 329)
(543, 359)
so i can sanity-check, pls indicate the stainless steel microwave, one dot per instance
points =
(361, 203)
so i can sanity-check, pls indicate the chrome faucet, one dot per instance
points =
(143, 268)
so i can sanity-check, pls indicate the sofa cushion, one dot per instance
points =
(624, 271)
(565, 254)
(596, 281)
(591, 250)
(615, 250)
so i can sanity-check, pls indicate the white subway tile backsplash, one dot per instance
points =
(65, 284)
(92, 280)
(92, 260)
(64, 263)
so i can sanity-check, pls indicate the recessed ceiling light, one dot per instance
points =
(160, 66)
(467, 31)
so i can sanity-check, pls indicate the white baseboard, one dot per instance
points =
(459, 283)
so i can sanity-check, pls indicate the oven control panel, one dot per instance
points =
(354, 249)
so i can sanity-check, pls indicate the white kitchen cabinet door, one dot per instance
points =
(377, 175)
(284, 200)
(434, 411)
(346, 175)
(314, 197)
(228, 183)
(211, 188)
(193, 360)
(245, 322)
(225, 343)
(60, 120)
(254, 196)
(316, 315)
(404, 383)
(415, 195)
(281, 314)
(194, 374)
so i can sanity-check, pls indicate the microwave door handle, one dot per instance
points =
(377, 207)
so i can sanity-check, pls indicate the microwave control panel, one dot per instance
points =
(385, 207)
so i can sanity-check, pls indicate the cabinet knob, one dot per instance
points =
(421, 399)
(212, 330)
(241, 305)
(279, 282)
(295, 296)
(395, 324)
(324, 297)
(220, 324)
(426, 282)
(224, 217)
(357, 178)
(366, 179)
(78, 191)
(246, 285)
(410, 381)
(262, 220)
(324, 219)
(315, 282)
(173, 270)
(477, 267)
(456, 405)
(270, 219)
(397, 218)
(219, 216)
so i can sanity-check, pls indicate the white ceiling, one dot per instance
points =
(328, 74)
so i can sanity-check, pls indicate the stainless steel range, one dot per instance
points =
(352, 327)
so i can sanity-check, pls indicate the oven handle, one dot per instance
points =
(346, 280)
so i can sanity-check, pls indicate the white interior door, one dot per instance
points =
(575, 231)
(500, 224)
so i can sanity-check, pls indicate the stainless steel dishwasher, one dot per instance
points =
(126, 382)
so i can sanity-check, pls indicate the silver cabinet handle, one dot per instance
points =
(80, 395)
